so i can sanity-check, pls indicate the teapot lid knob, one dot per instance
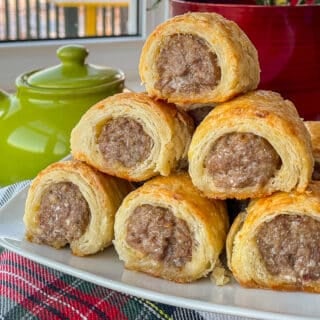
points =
(72, 54)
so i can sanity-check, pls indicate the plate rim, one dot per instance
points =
(133, 290)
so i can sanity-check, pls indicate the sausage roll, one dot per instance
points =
(251, 146)
(167, 229)
(72, 203)
(132, 136)
(314, 129)
(198, 58)
(276, 243)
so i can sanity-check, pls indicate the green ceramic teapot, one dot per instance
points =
(36, 121)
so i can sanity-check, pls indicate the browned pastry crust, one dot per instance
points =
(206, 220)
(314, 130)
(247, 262)
(168, 131)
(227, 47)
(266, 115)
(102, 193)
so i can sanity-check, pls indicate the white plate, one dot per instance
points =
(105, 269)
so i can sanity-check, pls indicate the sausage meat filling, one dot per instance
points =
(64, 214)
(239, 160)
(290, 246)
(156, 232)
(123, 140)
(186, 65)
(199, 114)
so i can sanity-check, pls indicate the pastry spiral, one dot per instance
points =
(132, 136)
(72, 203)
(198, 58)
(167, 229)
(275, 244)
(250, 147)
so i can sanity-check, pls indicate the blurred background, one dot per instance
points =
(112, 30)
(62, 19)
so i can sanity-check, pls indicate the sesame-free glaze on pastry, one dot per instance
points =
(275, 244)
(198, 58)
(166, 228)
(132, 136)
(71, 203)
(249, 147)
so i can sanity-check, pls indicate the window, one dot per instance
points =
(115, 38)
(63, 19)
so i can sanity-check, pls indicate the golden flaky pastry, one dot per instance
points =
(314, 129)
(198, 58)
(251, 146)
(275, 244)
(132, 136)
(167, 229)
(72, 203)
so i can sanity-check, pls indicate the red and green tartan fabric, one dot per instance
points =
(29, 290)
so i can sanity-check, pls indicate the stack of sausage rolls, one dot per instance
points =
(153, 172)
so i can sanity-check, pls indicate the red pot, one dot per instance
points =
(288, 42)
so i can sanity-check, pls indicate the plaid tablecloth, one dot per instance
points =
(29, 290)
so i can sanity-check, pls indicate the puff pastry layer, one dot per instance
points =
(275, 244)
(198, 58)
(167, 229)
(249, 147)
(71, 203)
(153, 139)
(314, 130)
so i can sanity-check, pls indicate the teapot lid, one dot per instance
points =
(73, 72)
